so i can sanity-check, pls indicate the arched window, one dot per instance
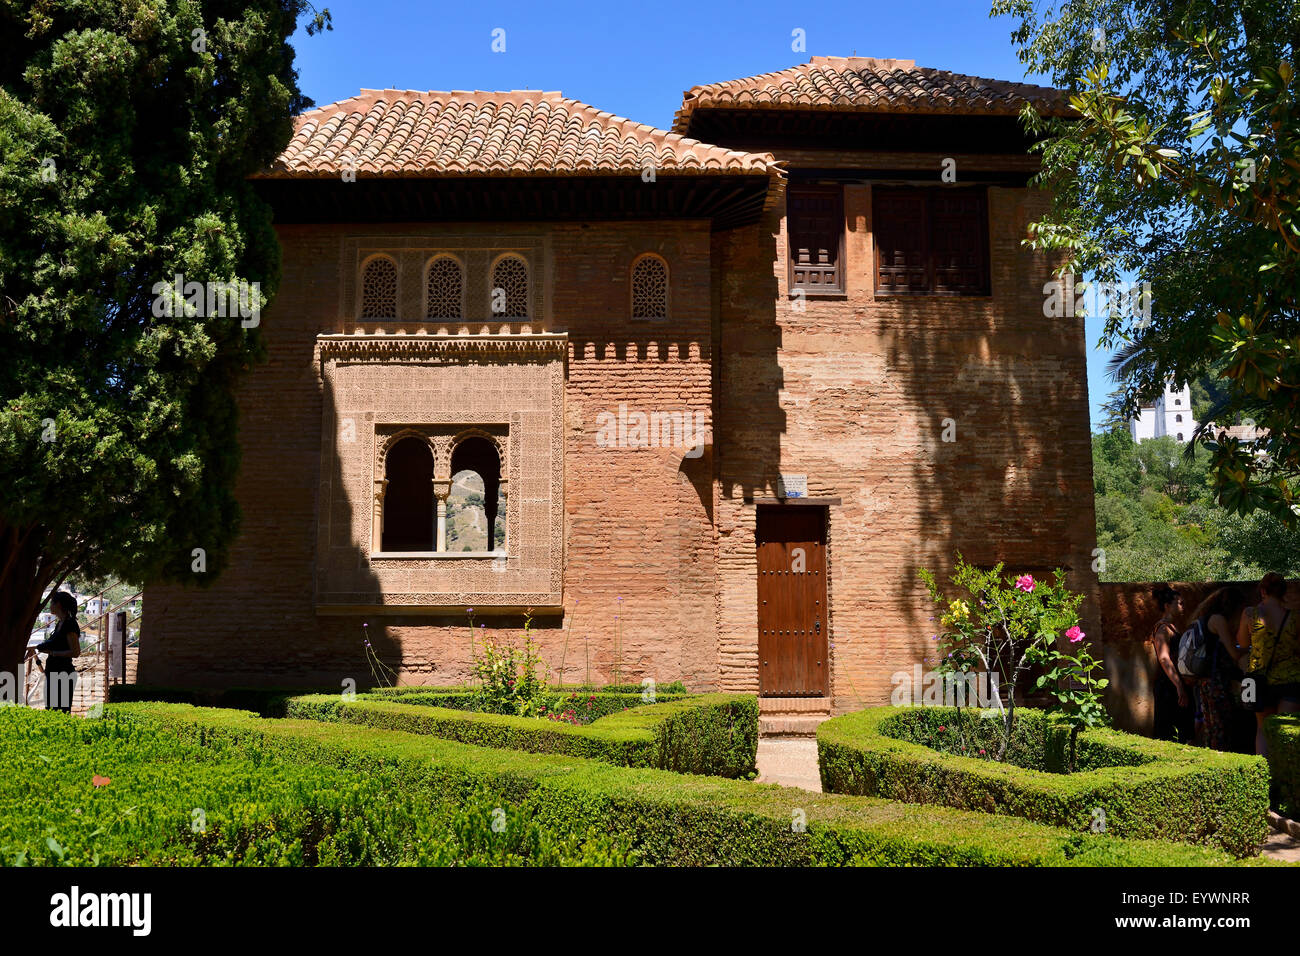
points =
(408, 498)
(444, 289)
(649, 288)
(379, 289)
(1180, 436)
(476, 507)
(1178, 401)
(1178, 418)
(509, 292)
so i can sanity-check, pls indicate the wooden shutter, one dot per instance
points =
(959, 241)
(900, 223)
(815, 223)
(931, 240)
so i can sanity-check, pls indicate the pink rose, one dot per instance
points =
(1025, 583)
(1075, 634)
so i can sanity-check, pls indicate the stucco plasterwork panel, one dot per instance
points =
(379, 389)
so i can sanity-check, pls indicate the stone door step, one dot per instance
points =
(790, 725)
(794, 705)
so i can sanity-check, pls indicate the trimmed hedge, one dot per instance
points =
(1282, 732)
(713, 734)
(587, 707)
(267, 701)
(668, 818)
(120, 792)
(1146, 788)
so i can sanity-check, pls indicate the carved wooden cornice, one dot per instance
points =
(383, 347)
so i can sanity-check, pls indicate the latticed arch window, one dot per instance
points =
(445, 289)
(379, 289)
(509, 292)
(649, 288)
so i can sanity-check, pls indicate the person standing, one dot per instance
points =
(1175, 718)
(61, 647)
(1271, 634)
(1219, 615)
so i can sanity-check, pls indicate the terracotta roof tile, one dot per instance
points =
(866, 84)
(516, 133)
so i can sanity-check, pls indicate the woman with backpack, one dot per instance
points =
(1175, 718)
(1272, 636)
(1218, 615)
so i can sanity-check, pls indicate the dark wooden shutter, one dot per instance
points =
(900, 223)
(815, 222)
(931, 240)
(959, 241)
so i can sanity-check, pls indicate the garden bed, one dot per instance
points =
(1130, 786)
(714, 734)
(668, 818)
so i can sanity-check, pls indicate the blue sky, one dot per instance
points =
(636, 59)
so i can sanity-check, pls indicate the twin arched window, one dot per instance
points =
(468, 514)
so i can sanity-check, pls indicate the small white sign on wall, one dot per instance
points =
(792, 486)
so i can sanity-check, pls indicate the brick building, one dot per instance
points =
(702, 410)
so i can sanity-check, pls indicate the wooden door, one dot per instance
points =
(792, 625)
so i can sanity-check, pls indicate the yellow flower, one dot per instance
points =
(959, 610)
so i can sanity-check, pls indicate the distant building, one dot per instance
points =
(1170, 414)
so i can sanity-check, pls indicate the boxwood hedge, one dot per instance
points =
(1133, 786)
(91, 792)
(1283, 734)
(715, 734)
(669, 818)
(586, 706)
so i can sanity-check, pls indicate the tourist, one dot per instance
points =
(1175, 718)
(1219, 614)
(1272, 636)
(61, 647)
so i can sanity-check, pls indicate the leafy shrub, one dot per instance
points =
(668, 818)
(1283, 734)
(1131, 786)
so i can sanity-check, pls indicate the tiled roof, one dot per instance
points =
(516, 133)
(866, 84)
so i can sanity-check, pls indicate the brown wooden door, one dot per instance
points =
(792, 627)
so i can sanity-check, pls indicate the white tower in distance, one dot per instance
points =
(1170, 414)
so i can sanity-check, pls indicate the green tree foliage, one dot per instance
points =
(1157, 518)
(1184, 168)
(128, 129)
